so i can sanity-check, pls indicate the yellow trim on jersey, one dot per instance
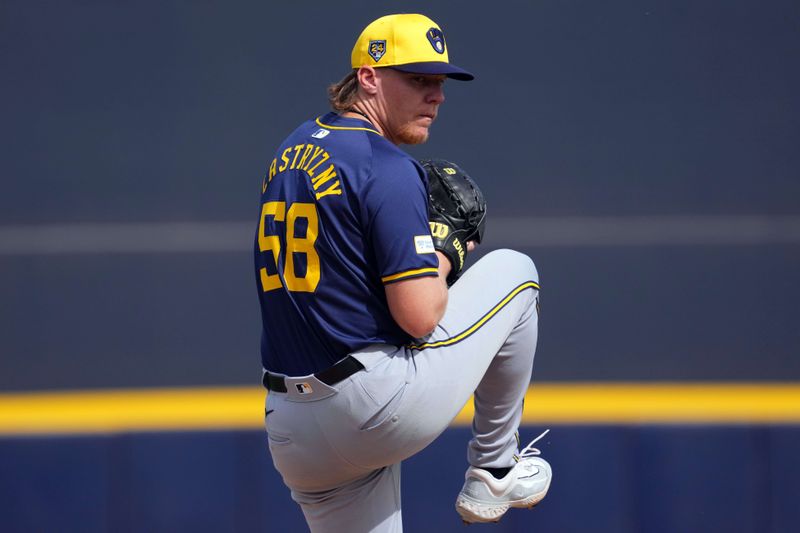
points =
(322, 125)
(409, 273)
(234, 408)
(473, 328)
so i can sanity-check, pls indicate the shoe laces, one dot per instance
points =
(529, 451)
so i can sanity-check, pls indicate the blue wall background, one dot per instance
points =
(607, 479)
(168, 111)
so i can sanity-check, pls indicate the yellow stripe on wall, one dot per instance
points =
(662, 403)
(132, 410)
(243, 408)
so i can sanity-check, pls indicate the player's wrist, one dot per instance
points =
(454, 260)
(445, 265)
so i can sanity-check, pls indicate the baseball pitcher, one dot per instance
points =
(374, 334)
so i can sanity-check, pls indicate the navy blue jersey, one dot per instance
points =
(343, 212)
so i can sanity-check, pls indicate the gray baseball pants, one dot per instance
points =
(339, 448)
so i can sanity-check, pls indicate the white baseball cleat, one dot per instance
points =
(485, 498)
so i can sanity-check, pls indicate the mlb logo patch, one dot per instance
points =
(377, 49)
(304, 388)
(319, 134)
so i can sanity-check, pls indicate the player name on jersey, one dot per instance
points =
(310, 159)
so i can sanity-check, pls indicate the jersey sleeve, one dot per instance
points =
(396, 215)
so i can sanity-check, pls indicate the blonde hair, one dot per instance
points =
(343, 94)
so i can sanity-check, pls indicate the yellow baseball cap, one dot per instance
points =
(407, 42)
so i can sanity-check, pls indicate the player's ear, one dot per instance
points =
(368, 80)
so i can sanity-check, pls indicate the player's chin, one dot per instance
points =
(414, 134)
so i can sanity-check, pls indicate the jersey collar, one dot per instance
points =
(334, 121)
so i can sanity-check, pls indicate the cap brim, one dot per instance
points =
(436, 67)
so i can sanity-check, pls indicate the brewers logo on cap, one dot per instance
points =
(436, 37)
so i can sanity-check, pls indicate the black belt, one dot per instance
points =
(330, 376)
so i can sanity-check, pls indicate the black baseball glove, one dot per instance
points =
(456, 209)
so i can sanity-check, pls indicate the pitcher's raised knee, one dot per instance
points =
(508, 266)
